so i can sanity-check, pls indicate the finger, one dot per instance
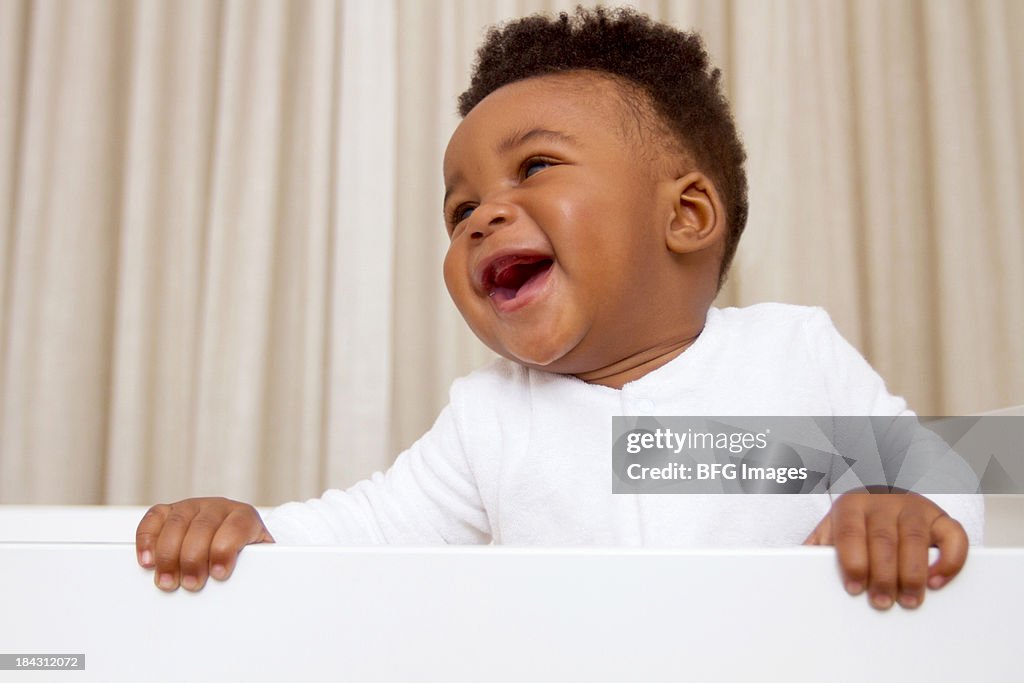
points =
(883, 571)
(194, 560)
(167, 549)
(240, 528)
(951, 538)
(822, 534)
(147, 532)
(914, 539)
(850, 536)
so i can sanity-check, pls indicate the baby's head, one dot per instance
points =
(594, 193)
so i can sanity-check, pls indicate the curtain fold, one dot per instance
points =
(221, 233)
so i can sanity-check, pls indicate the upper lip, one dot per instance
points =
(487, 268)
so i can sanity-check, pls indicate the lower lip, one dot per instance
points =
(526, 295)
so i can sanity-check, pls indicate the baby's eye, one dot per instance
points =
(533, 165)
(459, 214)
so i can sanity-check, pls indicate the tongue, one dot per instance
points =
(514, 277)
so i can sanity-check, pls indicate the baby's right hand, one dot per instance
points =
(195, 538)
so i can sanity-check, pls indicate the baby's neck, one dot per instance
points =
(637, 365)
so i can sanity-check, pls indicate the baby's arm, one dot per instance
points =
(187, 541)
(882, 543)
(882, 540)
(428, 496)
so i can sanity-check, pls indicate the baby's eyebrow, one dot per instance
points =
(520, 137)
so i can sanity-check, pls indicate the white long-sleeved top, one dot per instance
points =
(523, 457)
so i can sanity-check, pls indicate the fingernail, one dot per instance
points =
(854, 587)
(909, 601)
(146, 558)
(166, 581)
(189, 582)
(881, 601)
(218, 571)
(936, 582)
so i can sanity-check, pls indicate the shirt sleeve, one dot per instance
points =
(855, 389)
(428, 496)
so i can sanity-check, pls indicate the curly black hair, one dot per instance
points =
(670, 66)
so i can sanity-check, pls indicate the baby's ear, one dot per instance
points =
(697, 219)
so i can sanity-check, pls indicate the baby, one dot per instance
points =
(595, 195)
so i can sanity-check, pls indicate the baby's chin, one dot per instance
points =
(531, 360)
(556, 358)
(552, 346)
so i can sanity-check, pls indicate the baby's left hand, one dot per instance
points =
(882, 542)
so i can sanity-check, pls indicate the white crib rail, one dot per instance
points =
(501, 614)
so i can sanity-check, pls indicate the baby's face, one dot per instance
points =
(557, 225)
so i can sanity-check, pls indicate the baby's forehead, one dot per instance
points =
(584, 106)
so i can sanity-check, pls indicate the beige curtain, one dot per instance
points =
(220, 234)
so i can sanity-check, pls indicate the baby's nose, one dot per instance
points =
(490, 217)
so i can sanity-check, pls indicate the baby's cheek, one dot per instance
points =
(451, 271)
(460, 289)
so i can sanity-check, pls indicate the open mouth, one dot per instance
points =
(509, 277)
